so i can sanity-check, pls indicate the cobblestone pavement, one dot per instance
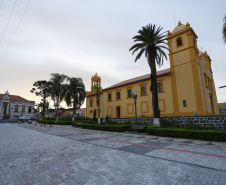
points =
(34, 154)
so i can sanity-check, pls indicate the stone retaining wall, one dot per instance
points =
(217, 121)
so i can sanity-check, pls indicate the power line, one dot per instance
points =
(8, 22)
(15, 31)
(222, 86)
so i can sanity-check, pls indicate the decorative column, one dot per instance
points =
(19, 109)
(7, 109)
(26, 110)
(32, 111)
(12, 109)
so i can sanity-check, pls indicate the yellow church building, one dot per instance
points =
(185, 89)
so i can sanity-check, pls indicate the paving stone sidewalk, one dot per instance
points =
(34, 154)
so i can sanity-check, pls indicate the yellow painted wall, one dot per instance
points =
(186, 81)
(187, 74)
(144, 102)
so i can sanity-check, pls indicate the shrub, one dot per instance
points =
(169, 122)
(211, 135)
(109, 122)
(94, 116)
(65, 118)
(44, 121)
(192, 126)
(139, 128)
(65, 122)
(113, 128)
(210, 127)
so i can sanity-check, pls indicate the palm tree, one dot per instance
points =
(224, 29)
(57, 89)
(151, 43)
(98, 89)
(42, 88)
(75, 94)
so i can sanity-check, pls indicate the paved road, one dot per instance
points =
(34, 154)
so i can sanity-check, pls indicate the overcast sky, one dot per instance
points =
(81, 38)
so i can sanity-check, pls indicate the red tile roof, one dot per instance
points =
(14, 97)
(140, 78)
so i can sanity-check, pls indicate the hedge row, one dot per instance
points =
(210, 135)
(53, 122)
(113, 128)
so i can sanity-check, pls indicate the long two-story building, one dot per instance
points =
(14, 105)
(185, 89)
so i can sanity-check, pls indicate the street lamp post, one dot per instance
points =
(134, 93)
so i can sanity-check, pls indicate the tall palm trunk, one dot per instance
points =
(98, 107)
(154, 90)
(44, 104)
(57, 106)
(74, 110)
(98, 104)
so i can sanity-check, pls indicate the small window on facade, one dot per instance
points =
(29, 110)
(16, 108)
(23, 109)
(91, 103)
(118, 95)
(184, 103)
(159, 87)
(210, 84)
(91, 111)
(179, 41)
(129, 93)
(194, 41)
(206, 80)
(143, 90)
(109, 97)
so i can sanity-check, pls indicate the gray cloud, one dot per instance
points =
(80, 38)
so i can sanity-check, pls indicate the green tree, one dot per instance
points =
(42, 88)
(57, 90)
(97, 88)
(75, 94)
(151, 42)
(224, 29)
(41, 104)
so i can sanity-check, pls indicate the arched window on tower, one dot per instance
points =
(179, 41)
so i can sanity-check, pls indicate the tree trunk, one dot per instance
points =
(57, 110)
(74, 111)
(44, 104)
(98, 106)
(154, 90)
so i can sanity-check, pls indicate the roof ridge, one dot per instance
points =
(138, 78)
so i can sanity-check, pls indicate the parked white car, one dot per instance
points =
(26, 118)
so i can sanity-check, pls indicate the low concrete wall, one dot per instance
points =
(217, 121)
